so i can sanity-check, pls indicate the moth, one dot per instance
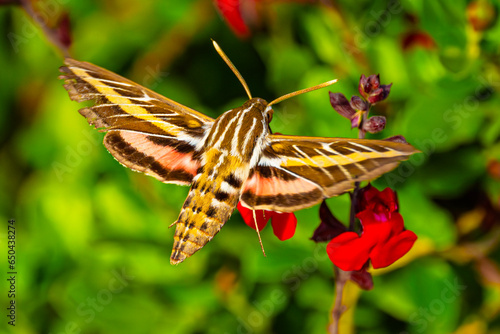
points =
(225, 160)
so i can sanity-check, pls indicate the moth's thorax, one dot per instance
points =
(238, 131)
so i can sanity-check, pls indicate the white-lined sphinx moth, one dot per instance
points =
(225, 160)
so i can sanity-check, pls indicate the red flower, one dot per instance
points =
(284, 224)
(383, 240)
(232, 10)
(381, 202)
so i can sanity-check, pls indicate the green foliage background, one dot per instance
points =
(82, 219)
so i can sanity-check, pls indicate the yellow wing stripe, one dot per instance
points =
(334, 160)
(125, 104)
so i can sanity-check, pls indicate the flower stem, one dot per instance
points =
(341, 278)
(354, 200)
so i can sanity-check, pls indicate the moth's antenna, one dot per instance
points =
(232, 67)
(289, 95)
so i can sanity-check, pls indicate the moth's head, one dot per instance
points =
(262, 106)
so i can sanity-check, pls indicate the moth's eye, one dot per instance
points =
(270, 115)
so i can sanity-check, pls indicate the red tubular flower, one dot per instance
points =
(383, 240)
(231, 10)
(284, 224)
(381, 202)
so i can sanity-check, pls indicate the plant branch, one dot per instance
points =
(341, 277)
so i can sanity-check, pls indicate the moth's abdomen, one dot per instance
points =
(196, 226)
(211, 201)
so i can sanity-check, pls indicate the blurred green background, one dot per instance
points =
(93, 242)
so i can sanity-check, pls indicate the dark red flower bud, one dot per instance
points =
(373, 82)
(397, 139)
(341, 105)
(358, 103)
(367, 85)
(330, 226)
(379, 94)
(371, 89)
(374, 124)
(362, 278)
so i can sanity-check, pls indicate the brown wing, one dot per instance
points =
(297, 172)
(146, 131)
